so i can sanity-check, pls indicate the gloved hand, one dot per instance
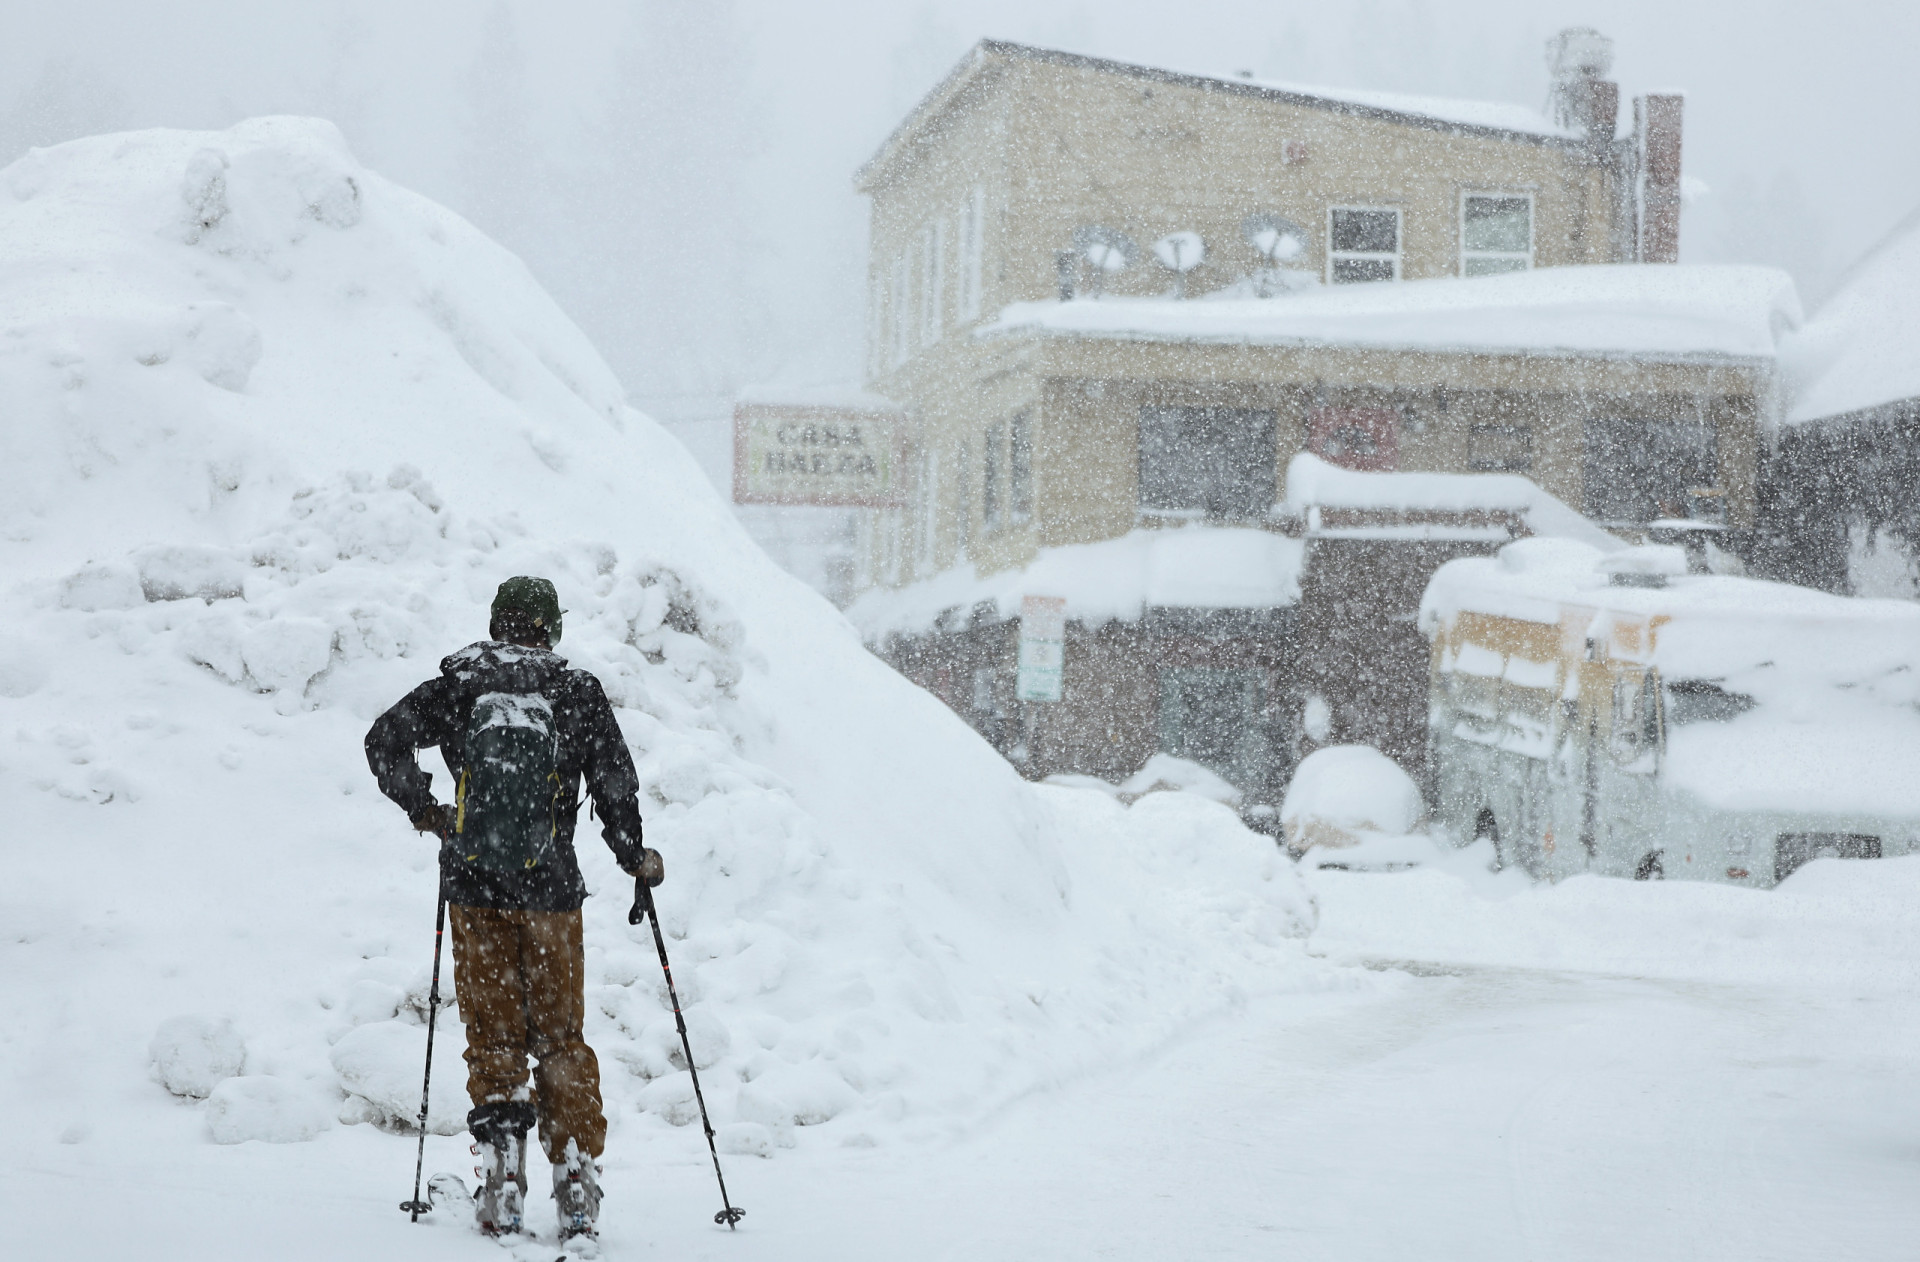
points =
(652, 869)
(434, 818)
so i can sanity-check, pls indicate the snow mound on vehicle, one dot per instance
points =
(1342, 792)
(275, 430)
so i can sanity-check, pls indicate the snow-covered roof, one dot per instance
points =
(1704, 624)
(1187, 567)
(1315, 483)
(1490, 118)
(1862, 347)
(1496, 116)
(1643, 311)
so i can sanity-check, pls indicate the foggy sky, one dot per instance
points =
(678, 172)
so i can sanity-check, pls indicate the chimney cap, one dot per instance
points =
(1579, 52)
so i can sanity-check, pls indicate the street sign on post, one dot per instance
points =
(1043, 642)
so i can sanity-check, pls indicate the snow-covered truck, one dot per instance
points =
(1612, 713)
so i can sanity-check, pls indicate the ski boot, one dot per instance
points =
(576, 1194)
(500, 1141)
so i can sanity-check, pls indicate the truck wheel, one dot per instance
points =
(1650, 868)
(1485, 825)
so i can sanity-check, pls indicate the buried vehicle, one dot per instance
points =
(1612, 713)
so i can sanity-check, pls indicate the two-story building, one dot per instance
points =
(1113, 298)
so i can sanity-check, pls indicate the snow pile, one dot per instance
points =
(1647, 311)
(1834, 922)
(275, 430)
(1115, 580)
(1162, 773)
(1858, 350)
(1342, 794)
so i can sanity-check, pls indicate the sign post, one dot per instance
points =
(1043, 642)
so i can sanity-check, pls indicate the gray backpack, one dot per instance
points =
(509, 787)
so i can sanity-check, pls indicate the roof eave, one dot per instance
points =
(1041, 332)
(982, 53)
(944, 93)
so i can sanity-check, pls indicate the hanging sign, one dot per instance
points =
(828, 456)
(1043, 644)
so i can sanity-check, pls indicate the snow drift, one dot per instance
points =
(274, 429)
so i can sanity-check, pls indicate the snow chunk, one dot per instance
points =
(745, 1139)
(182, 571)
(283, 654)
(258, 1106)
(1342, 792)
(97, 587)
(192, 1055)
(380, 1069)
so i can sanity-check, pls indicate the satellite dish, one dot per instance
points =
(1108, 249)
(1276, 238)
(1180, 251)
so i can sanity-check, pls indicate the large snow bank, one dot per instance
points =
(1858, 350)
(274, 429)
(1646, 311)
(1114, 580)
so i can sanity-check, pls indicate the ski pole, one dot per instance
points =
(643, 906)
(416, 1206)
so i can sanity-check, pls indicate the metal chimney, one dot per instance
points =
(1580, 98)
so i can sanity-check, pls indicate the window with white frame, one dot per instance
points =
(990, 492)
(932, 276)
(891, 551)
(879, 336)
(963, 502)
(898, 316)
(1496, 233)
(1020, 468)
(926, 535)
(973, 237)
(863, 546)
(1363, 244)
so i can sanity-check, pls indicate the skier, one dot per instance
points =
(518, 728)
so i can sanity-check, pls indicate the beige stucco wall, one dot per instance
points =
(1051, 146)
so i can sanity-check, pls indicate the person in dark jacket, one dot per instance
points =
(519, 967)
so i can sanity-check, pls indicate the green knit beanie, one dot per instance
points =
(534, 597)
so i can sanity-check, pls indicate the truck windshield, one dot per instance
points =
(1704, 701)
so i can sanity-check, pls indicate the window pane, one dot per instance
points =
(1499, 447)
(1020, 469)
(1498, 225)
(1219, 461)
(1492, 267)
(1212, 716)
(1354, 271)
(1366, 232)
(990, 478)
(1638, 470)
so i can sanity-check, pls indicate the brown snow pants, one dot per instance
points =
(520, 980)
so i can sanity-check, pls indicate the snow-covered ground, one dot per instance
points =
(274, 429)
(1600, 1070)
